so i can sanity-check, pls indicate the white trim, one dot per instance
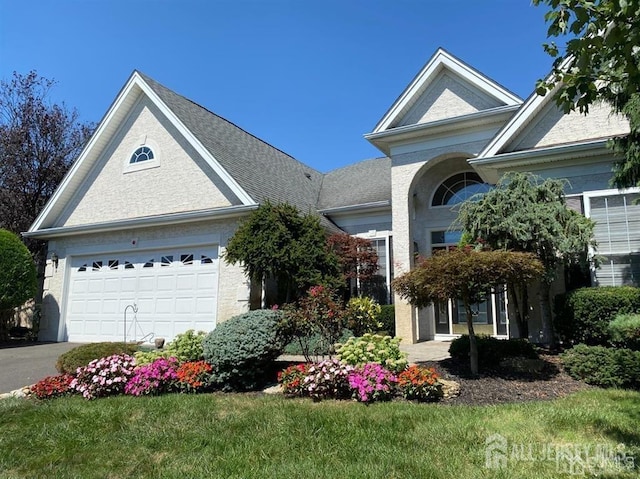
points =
(439, 61)
(129, 167)
(130, 95)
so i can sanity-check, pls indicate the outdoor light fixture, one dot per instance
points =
(54, 260)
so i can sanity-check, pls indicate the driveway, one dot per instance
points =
(25, 364)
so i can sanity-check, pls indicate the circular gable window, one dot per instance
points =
(144, 153)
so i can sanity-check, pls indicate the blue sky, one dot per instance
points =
(309, 77)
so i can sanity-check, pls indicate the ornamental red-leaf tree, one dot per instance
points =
(357, 258)
(467, 274)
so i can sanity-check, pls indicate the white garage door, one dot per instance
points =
(174, 290)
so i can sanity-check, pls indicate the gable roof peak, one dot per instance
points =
(441, 61)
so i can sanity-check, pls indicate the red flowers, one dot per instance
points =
(193, 375)
(52, 386)
(420, 383)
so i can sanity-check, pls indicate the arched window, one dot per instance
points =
(459, 188)
(143, 153)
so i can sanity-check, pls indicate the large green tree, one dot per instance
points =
(526, 213)
(38, 142)
(600, 62)
(17, 277)
(467, 274)
(279, 242)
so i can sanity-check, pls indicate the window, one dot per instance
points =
(617, 232)
(144, 153)
(459, 188)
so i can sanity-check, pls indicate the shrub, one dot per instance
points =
(387, 319)
(319, 313)
(52, 386)
(187, 346)
(492, 350)
(371, 382)
(155, 378)
(104, 377)
(624, 331)
(147, 357)
(583, 315)
(362, 315)
(292, 378)
(17, 277)
(82, 355)
(194, 376)
(314, 344)
(419, 383)
(328, 379)
(241, 349)
(373, 348)
(604, 367)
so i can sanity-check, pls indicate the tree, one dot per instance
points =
(467, 274)
(17, 277)
(38, 143)
(601, 61)
(276, 241)
(357, 257)
(525, 213)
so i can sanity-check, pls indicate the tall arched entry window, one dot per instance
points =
(458, 188)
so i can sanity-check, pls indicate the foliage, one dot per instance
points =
(292, 378)
(155, 378)
(604, 367)
(314, 345)
(104, 377)
(357, 258)
(625, 331)
(387, 319)
(321, 313)
(147, 357)
(82, 355)
(492, 350)
(420, 384)
(467, 274)
(524, 213)
(328, 379)
(373, 348)
(583, 315)
(362, 315)
(243, 347)
(371, 382)
(38, 142)
(194, 376)
(601, 61)
(276, 241)
(187, 346)
(52, 387)
(17, 277)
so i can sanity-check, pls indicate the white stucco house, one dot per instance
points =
(144, 214)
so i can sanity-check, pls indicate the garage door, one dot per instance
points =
(173, 289)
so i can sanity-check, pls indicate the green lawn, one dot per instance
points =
(258, 436)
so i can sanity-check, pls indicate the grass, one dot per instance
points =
(260, 436)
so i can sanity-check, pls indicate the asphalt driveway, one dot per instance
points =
(23, 364)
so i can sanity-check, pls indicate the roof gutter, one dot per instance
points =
(362, 206)
(146, 222)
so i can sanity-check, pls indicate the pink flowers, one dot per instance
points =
(104, 377)
(155, 378)
(372, 382)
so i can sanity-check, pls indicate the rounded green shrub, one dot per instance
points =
(387, 319)
(492, 350)
(625, 331)
(373, 348)
(82, 355)
(604, 367)
(583, 315)
(187, 346)
(242, 349)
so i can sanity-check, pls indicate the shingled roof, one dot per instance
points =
(362, 183)
(263, 171)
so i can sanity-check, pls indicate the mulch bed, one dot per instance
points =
(501, 386)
